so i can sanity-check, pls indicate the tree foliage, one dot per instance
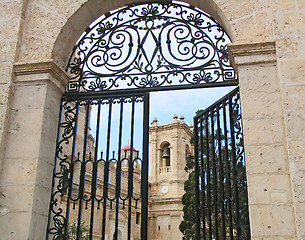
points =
(233, 171)
(72, 231)
(187, 226)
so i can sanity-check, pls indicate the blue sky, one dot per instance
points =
(164, 105)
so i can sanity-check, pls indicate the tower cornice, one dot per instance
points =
(169, 126)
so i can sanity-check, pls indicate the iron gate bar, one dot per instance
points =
(227, 172)
(208, 174)
(215, 197)
(130, 172)
(94, 171)
(144, 182)
(221, 172)
(106, 173)
(203, 171)
(83, 170)
(197, 184)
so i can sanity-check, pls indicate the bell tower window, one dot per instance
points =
(187, 151)
(165, 161)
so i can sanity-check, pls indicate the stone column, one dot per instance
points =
(292, 76)
(29, 154)
(269, 184)
(153, 157)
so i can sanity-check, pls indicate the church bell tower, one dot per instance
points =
(169, 147)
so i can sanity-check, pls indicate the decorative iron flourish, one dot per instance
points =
(150, 45)
(61, 177)
(241, 178)
(237, 123)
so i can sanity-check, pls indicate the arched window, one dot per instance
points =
(119, 235)
(165, 161)
(187, 151)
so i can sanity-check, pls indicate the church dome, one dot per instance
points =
(127, 147)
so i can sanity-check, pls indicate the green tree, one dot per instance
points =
(72, 232)
(188, 226)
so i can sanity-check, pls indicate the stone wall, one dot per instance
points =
(268, 52)
(12, 20)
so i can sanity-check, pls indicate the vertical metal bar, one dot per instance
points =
(54, 169)
(106, 172)
(197, 179)
(94, 171)
(83, 171)
(236, 200)
(215, 197)
(71, 172)
(208, 167)
(221, 177)
(228, 175)
(118, 172)
(144, 177)
(130, 168)
(203, 189)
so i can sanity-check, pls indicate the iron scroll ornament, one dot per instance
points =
(148, 46)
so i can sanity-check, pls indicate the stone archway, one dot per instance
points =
(179, 47)
(91, 10)
(33, 45)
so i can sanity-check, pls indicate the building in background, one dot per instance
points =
(169, 147)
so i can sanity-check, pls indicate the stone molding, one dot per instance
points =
(36, 72)
(160, 182)
(169, 126)
(252, 53)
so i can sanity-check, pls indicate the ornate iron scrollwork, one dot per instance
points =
(150, 45)
(62, 175)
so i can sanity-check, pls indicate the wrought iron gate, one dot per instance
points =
(221, 184)
(119, 59)
(96, 178)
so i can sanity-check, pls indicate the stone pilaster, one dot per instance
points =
(292, 72)
(271, 205)
(12, 20)
(26, 182)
